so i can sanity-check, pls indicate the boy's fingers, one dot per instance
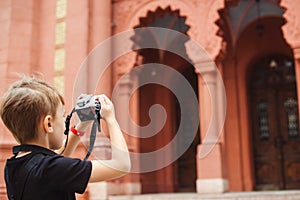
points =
(99, 98)
(103, 99)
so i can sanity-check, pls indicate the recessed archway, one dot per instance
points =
(172, 178)
(255, 36)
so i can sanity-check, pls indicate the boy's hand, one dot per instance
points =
(107, 108)
(107, 112)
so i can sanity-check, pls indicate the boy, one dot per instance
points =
(34, 113)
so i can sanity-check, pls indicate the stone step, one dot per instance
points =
(261, 195)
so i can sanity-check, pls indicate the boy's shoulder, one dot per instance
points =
(40, 156)
(35, 154)
(18, 169)
(43, 171)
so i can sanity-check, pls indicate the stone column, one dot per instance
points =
(211, 170)
(99, 30)
(296, 51)
(76, 47)
(130, 183)
(126, 104)
(211, 166)
(291, 32)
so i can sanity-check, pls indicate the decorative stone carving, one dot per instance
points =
(213, 45)
(203, 29)
(291, 29)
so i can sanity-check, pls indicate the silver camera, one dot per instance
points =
(87, 108)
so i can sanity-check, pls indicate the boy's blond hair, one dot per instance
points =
(25, 103)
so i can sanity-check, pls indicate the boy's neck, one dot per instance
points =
(39, 142)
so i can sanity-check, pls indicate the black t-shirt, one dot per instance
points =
(44, 175)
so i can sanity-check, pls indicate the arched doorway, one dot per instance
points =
(275, 123)
(253, 32)
(181, 175)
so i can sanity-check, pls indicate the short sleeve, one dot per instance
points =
(65, 174)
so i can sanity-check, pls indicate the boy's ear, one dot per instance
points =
(48, 124)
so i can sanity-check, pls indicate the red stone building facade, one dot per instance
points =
(253, 43)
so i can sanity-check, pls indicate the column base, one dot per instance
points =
(101, 190)
(213, 186)
(211, 170)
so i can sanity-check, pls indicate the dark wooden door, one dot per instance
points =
(276, 142)
(276, 139)
(267, 161)
(289, 140)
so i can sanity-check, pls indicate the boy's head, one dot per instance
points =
(24, 106)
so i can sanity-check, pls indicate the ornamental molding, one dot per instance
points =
(291, 29)
(201, 16)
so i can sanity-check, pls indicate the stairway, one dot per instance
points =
(262, 195)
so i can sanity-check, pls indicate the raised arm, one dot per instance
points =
(119, 164)
(74, 140)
